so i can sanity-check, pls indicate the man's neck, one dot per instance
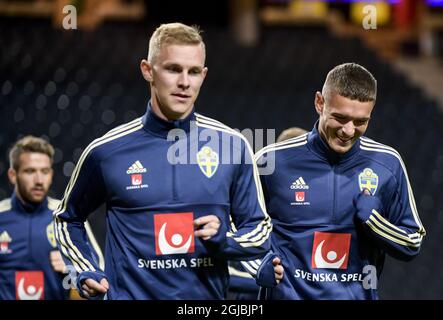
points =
(20, 198)
(168, 117)
(26, 203)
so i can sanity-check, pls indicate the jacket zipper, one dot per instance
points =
(174, 182)
(334, 194)
(174, 189)
(30, 252)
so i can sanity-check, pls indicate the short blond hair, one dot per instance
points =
(290, 133)
(29, 144)
(173, 33)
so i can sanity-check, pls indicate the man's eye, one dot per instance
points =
(195, 71)
(173, 69)
(360, 122)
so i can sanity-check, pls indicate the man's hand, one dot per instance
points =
(365, 202)
(92, 288)
(270, 271)
(206, 226)
(278, 269)
(57, 262)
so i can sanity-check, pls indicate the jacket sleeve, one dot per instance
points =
(248, 236)
(262, 269)
(84, 193)
(240, 280)
(395, 226)
(96, 250)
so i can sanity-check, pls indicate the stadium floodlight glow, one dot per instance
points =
(435, 2)
(339, 1)
(363, 1)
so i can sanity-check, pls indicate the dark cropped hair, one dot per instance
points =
(351, 81)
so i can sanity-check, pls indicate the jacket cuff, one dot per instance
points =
(94, 275)
(265, 273)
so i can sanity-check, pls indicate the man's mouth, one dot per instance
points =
(343, 140)
(181, 95)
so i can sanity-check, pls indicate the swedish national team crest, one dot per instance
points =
(50, 234)
(207, 160)
(368, 179)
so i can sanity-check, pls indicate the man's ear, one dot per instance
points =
(319, 102)
(146, 69)
(12, 175)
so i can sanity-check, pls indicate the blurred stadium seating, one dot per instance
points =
(71, 87)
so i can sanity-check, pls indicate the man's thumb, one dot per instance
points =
(276, 261)
(104, 283)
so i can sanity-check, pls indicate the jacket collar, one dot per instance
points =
(160, 127)
(321, 148)
(17, 205)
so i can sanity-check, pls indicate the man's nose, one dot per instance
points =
(38, 178)
(349, 129)
(183, 81)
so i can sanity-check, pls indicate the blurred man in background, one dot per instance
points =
(289, 133)
(339, 201)
(31, 267)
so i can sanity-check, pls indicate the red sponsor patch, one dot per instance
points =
(300, 196)
(331, 250)
(136, 179)
(174, 233)
(4, 246)
(29, 285)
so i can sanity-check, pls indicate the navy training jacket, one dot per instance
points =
(156, 177)
(331, 237)
(26, 240)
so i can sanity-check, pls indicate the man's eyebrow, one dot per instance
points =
(339, 115)
(171, 64)
(175, 64)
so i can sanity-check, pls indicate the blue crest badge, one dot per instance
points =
(368, 179)
(207, 160)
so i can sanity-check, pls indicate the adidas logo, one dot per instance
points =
(299, 184)
(137, 167)
(4, 237)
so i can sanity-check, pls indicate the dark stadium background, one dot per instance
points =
(71, 86)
